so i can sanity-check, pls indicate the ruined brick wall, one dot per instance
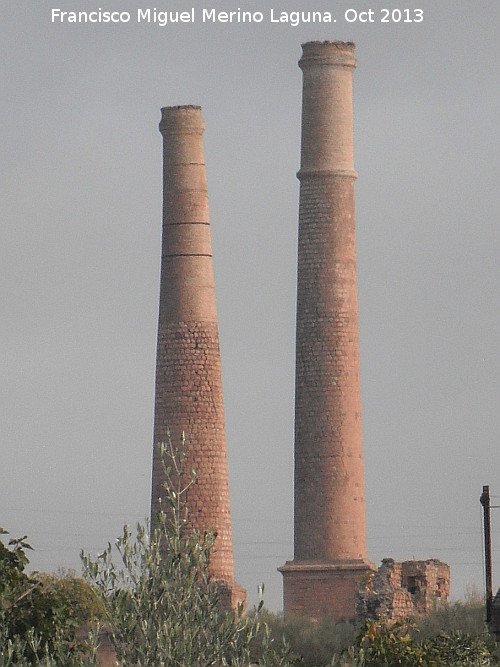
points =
(188, 372)
(329, 504)
(401, 590)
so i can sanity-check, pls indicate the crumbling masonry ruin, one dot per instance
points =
(402, 590)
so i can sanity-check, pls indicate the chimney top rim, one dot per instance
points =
(186, 119)
(181, 106)
(327, 53)
(325, 42)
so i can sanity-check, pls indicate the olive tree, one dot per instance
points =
(161, 604)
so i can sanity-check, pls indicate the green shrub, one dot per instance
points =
(452, 635)
(80, 600)
(460, 649)
(381, 644)
(466, 616)
(387, 645)
(311, 643)
(36, 624)
(162, 606)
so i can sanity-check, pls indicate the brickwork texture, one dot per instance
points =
(329, 507)
(188, 395)
(402, 590)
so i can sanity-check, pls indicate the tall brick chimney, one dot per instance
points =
(329, 506)
(188, 370)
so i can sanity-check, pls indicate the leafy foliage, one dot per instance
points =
(162, 606)
(387, 644)
(461, 649)
(36, 626)
(381, 644)
(312, 643)
(80, 600)
(455, 636)
(466, 616)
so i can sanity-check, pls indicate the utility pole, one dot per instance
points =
(485, 502)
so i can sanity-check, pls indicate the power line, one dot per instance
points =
(71, 512)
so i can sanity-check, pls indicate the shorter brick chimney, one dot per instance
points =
(188, 396)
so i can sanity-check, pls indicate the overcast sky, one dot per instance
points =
(80, 257)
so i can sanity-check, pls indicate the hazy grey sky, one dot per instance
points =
(80, 258)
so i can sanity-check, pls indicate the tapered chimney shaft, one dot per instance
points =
(329, 510)
(188, 372)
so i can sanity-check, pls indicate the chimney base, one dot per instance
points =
(319, 590)
(232, 595)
